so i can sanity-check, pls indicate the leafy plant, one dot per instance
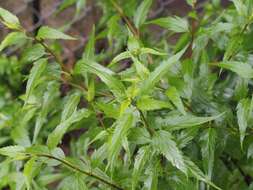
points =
(178, 115)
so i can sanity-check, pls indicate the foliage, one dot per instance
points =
(177, 116)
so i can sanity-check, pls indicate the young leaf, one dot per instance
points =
(10, 20)
(46, 32)
(163, 142)
(142, 12)
(13, 38)
(159, 72)
(36, 71)
(174, 96)
(175, 24)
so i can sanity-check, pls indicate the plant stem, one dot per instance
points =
(115, 186)
(124, 17)
(150, 130)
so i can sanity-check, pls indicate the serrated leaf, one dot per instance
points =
(141, 70)
(12, 151)
(146, 103)
(9, 19)
(48, 98)
(55, 137)
(70, 106)
(208, 139)
(35, 73)
(174, 96)
(159, 72)
(175, 24)
(243, 112)
(12, 38)
(244, 70)
(33, 53)
(180, 122)
(142, 12)
(152, 173)
(46, 32)
(126, 121)
(163, 142)
(197, 173)
(139, 163)
(105, 74)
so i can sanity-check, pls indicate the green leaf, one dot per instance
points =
(208, 139)
(110, 110)
(180, 122)
(139, 163)
(33, 53)
(146, 103)
(152, 173)
(13, 38)
(91, 90)
(197, 173)
(244, 70)
(35, 73)
(126, 121)
(55, 137)
(29, 168)
(175, 24)
(89, 52)
(105, 74)
(243, 113)
(141, 70)
(240, 7)
(46, 32)
(48, 98)
(159, 72)
(164, 143)
(70, 106)
(13, 151)
(174, 96)
(9, 20)
(142, 12)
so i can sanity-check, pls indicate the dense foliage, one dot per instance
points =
(166, 104)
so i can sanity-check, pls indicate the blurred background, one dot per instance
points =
(78, 21)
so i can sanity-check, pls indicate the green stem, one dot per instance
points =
(66, 163)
